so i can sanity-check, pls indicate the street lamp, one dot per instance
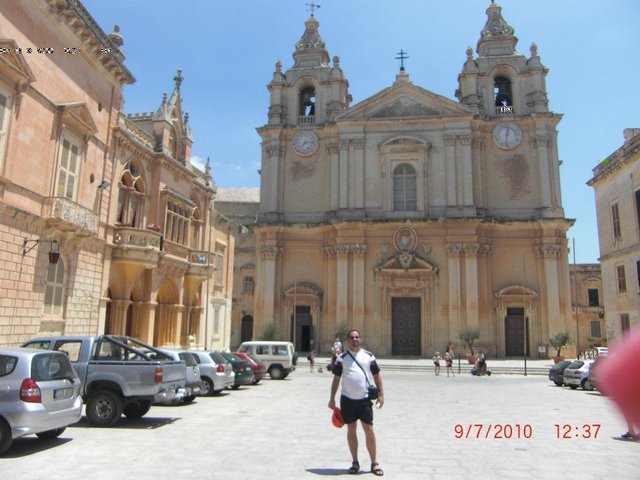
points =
(54, 253)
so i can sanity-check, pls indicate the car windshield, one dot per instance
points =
(563, 364)
(51, 366)
(576, 364)
(188, 358)
(217, 357)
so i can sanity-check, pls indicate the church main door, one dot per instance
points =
(514, 325)
(405, 326)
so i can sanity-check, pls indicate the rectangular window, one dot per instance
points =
(5, 104)
(219, 264)
(54, 289)
(594, 298)
(68, 169)
(595, 328)
(615, 222)
(248, 285)
(624, 322)
(621, 279)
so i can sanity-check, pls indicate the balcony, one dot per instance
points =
(199, 264)
(69, 216)
(137, 245)
(306, 120)
(504, 110)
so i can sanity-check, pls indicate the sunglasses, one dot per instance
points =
(353, 338)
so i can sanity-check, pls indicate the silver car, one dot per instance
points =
(215, 375)
(39, 394)
(193, 382)
(577, 374)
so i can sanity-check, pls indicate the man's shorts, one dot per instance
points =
(353, 410)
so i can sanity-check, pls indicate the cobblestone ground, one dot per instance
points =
(282, 429)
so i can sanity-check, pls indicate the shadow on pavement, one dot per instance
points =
(23, 446)
(145, 423)
(329, 472)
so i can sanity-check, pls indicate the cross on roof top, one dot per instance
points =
(312, 6)
(402, 57)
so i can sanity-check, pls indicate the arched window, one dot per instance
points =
(307, 102)
(404, 188)
(177, 223)
(54, 289)
(502, 92)
(196, 225)
(131, 195)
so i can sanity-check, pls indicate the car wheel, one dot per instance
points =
(5, 436)
(207, 387)
(276, 373)
(104, 408)
(587, 385)
(558, 383)
(235, 387)
(51, 434)
(137, 409)
(573, 387)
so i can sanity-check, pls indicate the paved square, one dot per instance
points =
(282, 429)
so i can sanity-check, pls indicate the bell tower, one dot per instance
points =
(312, 92)
(501, 81)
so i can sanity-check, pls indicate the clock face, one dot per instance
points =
(305, 143)
(507, 135)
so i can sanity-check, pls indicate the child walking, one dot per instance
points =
(436, 363)
(449, 361)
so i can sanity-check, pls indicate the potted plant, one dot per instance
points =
(558, 341)
(469, 336)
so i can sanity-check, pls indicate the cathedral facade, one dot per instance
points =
(411, 216)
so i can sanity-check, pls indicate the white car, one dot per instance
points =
(215, 375)
(279, 357)
(577, 374)
(40, 394)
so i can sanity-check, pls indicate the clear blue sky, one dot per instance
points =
(227, 50)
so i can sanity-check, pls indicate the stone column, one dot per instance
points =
(453, 267)
(342, 283)
(467, 172)
(343, 189)
(450, 165)
(119, 316)
(539, 143)
(549, 254)
(269, 255)
(334, 184)
(358, 175)
(358, 282)
(471, 284)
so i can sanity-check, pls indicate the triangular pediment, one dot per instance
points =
(14, 66)
(77, 117)
(404, 100)
(404, 261)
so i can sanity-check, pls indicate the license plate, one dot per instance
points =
(62, 393)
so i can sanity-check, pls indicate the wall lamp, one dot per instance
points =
(54, 253)
(601, 312)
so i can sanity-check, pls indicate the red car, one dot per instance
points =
(259, 368)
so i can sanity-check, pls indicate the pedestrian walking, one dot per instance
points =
(312, 360)
(449, 364)
(436, 363)
(352, 370)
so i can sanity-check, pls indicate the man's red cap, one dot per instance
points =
(336, 419)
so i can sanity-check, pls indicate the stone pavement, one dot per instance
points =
(282, 430)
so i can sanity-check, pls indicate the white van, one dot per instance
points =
(279, 357)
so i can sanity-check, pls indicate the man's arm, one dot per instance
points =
(334, 390)
(378, 379)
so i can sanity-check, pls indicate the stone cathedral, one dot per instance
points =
(409, 215)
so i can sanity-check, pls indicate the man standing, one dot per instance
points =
(354, 367)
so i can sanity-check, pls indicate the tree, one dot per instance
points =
(341, 331)
(468, 336)
(271, 332)
(558, 341)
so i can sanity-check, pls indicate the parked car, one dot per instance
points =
(117, 375)
(193, 382)
(279, 357)
(556, 373)
(242, 369)
(40, 394)
(577, 374)
(259, 368)
(215, 376)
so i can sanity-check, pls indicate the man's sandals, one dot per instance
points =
(376, 470)
(354, 468)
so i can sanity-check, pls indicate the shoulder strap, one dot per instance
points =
(366, 377)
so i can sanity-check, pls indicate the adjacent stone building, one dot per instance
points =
(588, 327)
(411, 216)
(105, 225)
(616, 184)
